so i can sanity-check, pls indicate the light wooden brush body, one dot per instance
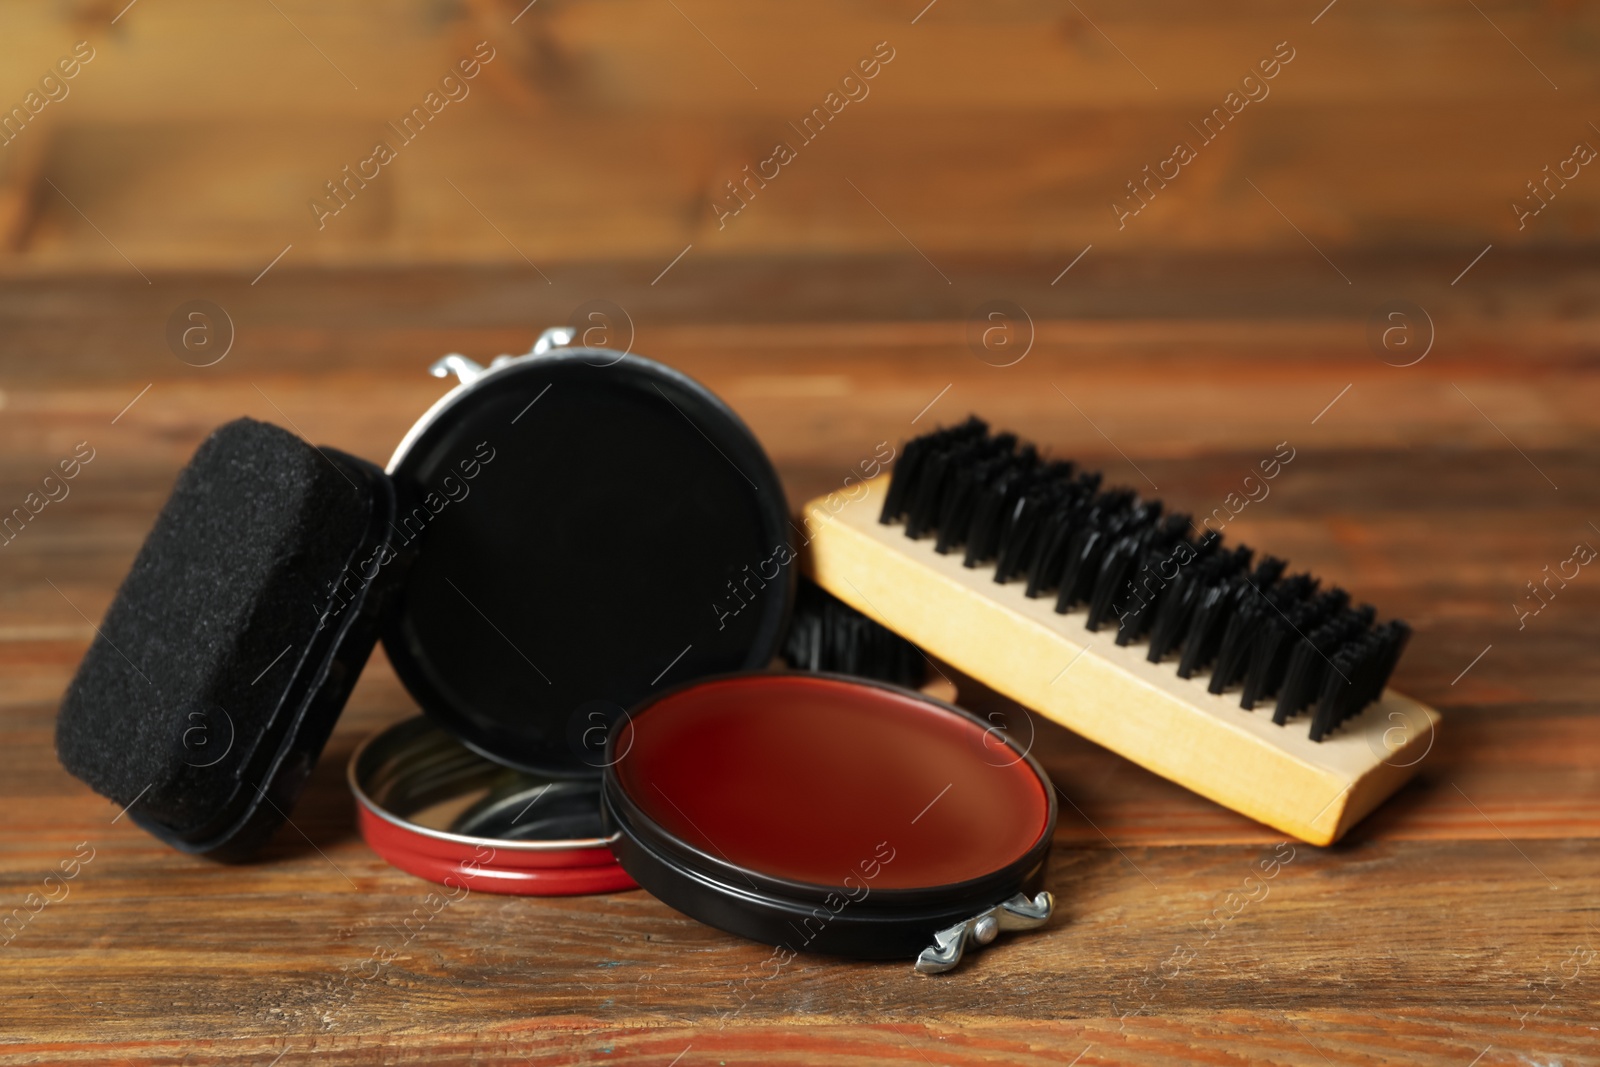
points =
(1052, 665)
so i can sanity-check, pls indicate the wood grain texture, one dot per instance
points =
(200, 133)
(1457, 918)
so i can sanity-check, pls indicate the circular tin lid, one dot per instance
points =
(584, 528)
(824, 813)
(434, 809)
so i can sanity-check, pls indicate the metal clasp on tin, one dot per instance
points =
(468, 371)
(951, 943)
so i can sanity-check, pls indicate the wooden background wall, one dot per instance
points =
(602, 131)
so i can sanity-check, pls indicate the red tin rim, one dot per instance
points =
(522, 868)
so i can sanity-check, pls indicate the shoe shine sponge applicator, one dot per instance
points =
(216, 677)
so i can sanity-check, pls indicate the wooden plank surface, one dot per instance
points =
(1457, 922)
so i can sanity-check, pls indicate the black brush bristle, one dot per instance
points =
(916, 496)
(1186, 572)
(189, 667)
(826, 634)
(1273, 637)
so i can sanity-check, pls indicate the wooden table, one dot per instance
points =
(1455, 926)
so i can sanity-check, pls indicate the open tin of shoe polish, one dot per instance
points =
(822, 813)
(575, 529)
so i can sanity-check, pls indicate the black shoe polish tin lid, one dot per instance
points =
(830, 814)
(584, 528)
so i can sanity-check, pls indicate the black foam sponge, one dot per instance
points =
(202, 680)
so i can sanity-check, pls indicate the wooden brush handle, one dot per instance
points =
(1112, 695)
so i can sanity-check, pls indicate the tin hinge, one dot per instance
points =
(468, 371)
(951, 943)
